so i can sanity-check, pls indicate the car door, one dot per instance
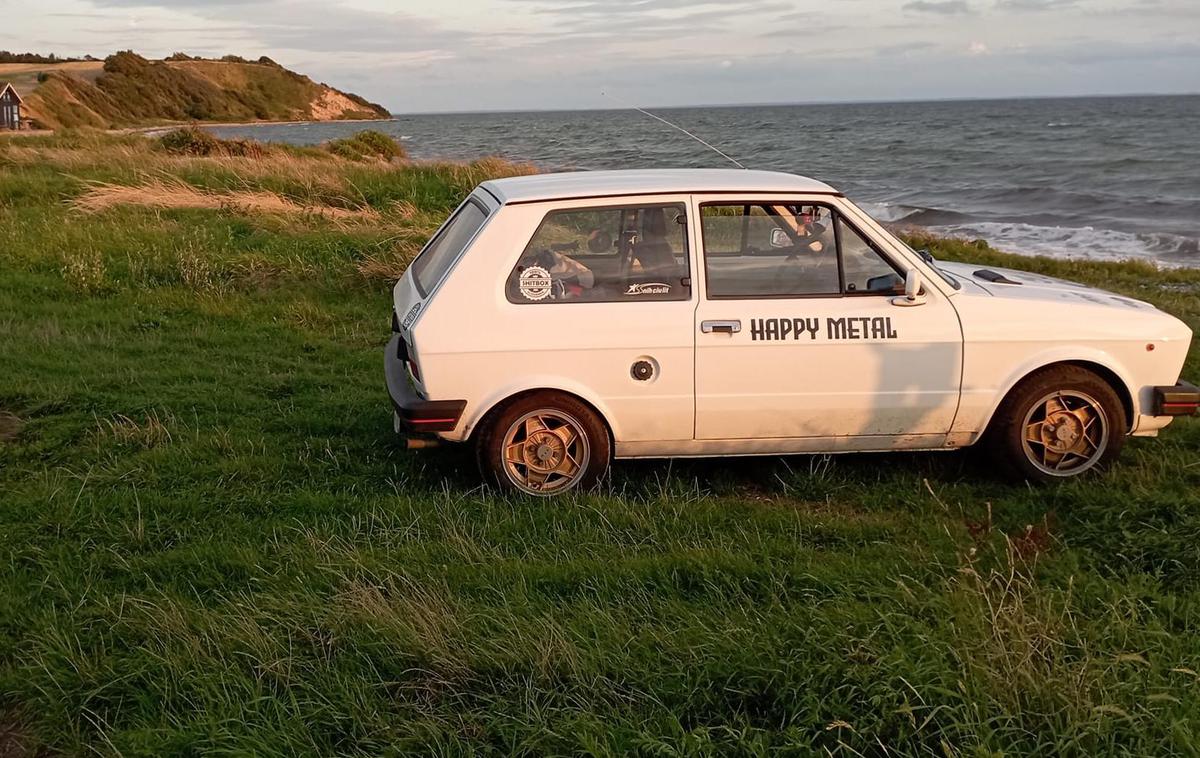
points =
(801, 332)
(600, 303)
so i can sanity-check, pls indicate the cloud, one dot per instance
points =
(940, 7)
(312, 26)
(623, 16)
(1034, 5)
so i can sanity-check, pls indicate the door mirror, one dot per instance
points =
(912, 284)
(779, 238)
(912, 290)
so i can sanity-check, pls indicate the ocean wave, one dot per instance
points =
(1078, 242)
(896, 213)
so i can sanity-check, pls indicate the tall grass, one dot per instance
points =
(213, 544)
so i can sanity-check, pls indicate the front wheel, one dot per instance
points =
(1059, 423)
(544, 444)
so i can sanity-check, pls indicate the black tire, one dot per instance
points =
(590, 447)
(1052, 407)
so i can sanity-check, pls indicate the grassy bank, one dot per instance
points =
(212, 542)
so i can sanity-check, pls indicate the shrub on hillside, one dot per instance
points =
(148, 91)
(10, 57)
(67, 102)
(194, 141)
(367, 145)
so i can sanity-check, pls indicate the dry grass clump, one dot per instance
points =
(383, 268)
(10, 426)
(147, 433)
(177, 194)
(84, 271)
(389, 265)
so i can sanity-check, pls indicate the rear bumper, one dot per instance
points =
(1182, 399)
(415, 413)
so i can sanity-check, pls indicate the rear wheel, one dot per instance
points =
(1059, 423)
(543, 444)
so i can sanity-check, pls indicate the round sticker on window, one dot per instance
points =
(535, 283)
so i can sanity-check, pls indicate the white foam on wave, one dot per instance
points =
(1074, 242)
(889, 213)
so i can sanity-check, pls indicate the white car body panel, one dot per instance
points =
(1014, 330)
(934, 385)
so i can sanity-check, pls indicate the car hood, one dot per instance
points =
(1022, 285)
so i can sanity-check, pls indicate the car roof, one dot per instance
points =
(587, 184)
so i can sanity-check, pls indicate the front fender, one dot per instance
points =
(1048, 357)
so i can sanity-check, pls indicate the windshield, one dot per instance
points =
(441, 253)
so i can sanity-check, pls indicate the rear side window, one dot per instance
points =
(605, 255)
(441, 253)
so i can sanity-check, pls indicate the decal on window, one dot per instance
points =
(849, 328)
(535, 283)
(649, 288)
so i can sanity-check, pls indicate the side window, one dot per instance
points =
(769, 250)
(866, 271)
(441, 253)
(603, 255)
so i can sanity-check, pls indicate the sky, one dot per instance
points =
(418, 56)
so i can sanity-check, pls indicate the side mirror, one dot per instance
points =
(779, 238)
(912, 284)
(912, 290)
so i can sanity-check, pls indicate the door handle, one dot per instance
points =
(721, 327)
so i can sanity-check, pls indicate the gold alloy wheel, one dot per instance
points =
(1065, 433)
(545, 452)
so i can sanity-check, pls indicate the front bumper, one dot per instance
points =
(415, 413)
(1181, 399)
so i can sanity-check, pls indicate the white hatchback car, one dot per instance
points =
(559, 321)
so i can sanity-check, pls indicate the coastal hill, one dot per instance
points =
(127, 90)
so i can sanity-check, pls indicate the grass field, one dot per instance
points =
(212, 542)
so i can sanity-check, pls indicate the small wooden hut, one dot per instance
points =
(10, 108)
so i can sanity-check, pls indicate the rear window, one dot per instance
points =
(443, 250)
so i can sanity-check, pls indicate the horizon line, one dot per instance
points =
(782, 104)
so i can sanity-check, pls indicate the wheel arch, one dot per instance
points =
(1110, 375)
(499, 400)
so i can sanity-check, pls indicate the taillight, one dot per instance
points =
(413, 369)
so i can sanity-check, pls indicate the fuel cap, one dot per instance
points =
(642, 370)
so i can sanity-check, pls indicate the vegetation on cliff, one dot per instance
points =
(129, 90)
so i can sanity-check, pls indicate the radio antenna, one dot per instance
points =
(676, 127)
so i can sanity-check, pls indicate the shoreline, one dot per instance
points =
(208, 124)
(200, 125)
